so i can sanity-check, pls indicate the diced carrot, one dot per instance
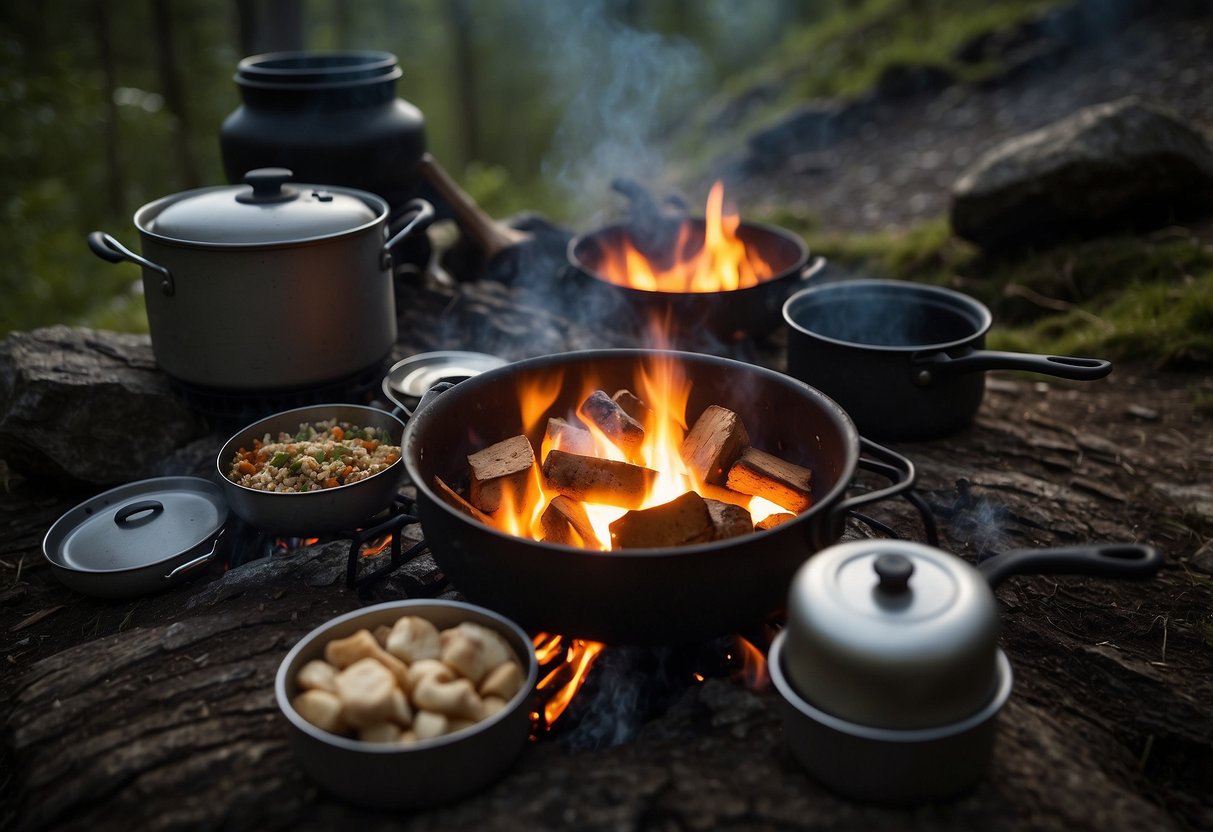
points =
(246, 467)
(348, 470)
(337, 433)
(331, 482)
(370, 444)
(390, 458)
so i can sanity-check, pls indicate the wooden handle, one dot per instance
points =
(492, 236)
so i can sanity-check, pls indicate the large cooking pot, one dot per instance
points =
(636, 596)
(906, 360)
(269, 285)
(692, 318)
(889, 665)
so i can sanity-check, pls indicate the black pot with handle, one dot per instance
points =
(905, 360)
(267, 286)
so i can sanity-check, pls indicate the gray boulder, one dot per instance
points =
(79, 406)
(1106, 167)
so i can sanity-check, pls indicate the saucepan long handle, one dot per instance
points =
(1109, 560)
(1061, 366)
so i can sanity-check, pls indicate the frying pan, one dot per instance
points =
(650, 595)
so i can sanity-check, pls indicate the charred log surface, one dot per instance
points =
(160, 711)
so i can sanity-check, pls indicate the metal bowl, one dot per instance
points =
(427, 772)
(313, 512)
(887, 765)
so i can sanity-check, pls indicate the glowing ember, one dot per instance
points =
(721, 263)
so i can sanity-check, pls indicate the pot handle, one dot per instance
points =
(1107, 560)
(891, 461)
(189, 566)
(107, 248)
(423, 215)
(812, 268)
(925, 368)
(130, 510)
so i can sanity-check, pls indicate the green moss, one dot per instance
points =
(1122, 298)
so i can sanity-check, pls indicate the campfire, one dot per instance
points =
(708, 259)
(624, 471)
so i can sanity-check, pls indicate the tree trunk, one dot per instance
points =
(464, 56)
(167, 56)
(114, 176)
(269, 26)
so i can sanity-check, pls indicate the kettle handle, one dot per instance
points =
(1108, 560)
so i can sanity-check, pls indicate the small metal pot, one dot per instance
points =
(428, 772)
(889, 665)
(905, 360)
(318, 512)
(268, 287)
(138, 538)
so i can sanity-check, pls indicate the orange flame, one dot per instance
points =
(663, 386)
(376, 546)
(751, 664)
(722, 263)
(566, 679)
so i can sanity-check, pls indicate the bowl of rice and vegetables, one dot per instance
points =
(313, 470)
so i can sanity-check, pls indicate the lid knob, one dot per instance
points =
(894, 572)
(268, 186)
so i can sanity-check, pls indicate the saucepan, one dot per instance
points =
(905, 360)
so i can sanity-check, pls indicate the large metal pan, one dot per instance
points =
(636, 596)
(310, 513)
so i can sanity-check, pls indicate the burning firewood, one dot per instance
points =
(565, 521)
(457, 502)
(595, 480)
(682, 521)
(633, 406)
(773, 520)
(614, 422)
(766, 475)
(501, 469)
(714, 444)
(730, 520)
(567, 436)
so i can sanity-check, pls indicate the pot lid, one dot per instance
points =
(409, 378)
(266, 209)
(135, 525)
(893, 634)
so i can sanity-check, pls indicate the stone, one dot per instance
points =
(814, 126)
(1106, 166)
(80, 406)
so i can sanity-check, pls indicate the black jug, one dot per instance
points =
(332, 118)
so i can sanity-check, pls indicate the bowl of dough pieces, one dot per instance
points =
(408, 703)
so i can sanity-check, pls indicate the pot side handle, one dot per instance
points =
(1060, 366)
(191, 565)
(812, 268)
(1108, 560)
(423, 215)
(897, 467)
(107, 248)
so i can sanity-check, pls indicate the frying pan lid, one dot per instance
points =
(135, 525)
